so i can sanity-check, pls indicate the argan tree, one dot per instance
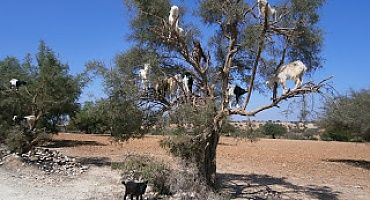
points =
(230, 44)
(50, 94)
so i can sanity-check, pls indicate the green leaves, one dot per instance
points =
(348, 115)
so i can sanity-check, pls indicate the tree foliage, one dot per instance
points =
(273, 129)
(50, 94)
(238, 46)
(348, 116)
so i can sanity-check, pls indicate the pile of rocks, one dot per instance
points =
(53, 161)
(3, 153)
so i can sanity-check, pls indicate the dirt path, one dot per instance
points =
(266, 169)
(32, 184)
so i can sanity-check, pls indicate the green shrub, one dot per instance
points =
(156, 173)
(273, 129)
(22, 140)
(336, 136)
(347, 117)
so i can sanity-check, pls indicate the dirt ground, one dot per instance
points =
(288, 169)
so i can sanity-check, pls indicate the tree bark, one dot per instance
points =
(210, 158)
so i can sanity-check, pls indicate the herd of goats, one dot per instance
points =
(171, 85)
(184, 82)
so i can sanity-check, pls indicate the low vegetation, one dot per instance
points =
(347, 117)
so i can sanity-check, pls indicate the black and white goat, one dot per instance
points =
(26, 121)
(187, 82)
(15, 83)
(235, 91)
(293, 71)
(144, 76)
(262, 6)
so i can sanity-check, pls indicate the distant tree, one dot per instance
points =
(50, 94)
(92, 118)
(273, 129)
(242, 49)
(347, 116)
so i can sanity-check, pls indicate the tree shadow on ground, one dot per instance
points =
(355, 163)
(256, 186)
(72, 143)
(97, 161)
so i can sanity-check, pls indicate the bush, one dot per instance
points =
(136, 167)
(336, 136)
(347, 117)
(22, 140)
(273, 129)
(165, 180)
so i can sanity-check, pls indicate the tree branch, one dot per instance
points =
(307, 88)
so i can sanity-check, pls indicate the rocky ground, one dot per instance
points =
(264, 169)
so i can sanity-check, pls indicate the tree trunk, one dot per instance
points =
(210, 158)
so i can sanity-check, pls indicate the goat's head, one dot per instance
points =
(271, 82)
(174, 10)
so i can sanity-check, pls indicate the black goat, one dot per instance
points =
(135, 189)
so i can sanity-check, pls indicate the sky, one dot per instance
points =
(83, 30)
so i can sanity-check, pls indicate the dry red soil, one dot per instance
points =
(309, 169)
(263, 169)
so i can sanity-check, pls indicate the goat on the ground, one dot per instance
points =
(134, 188)
(293, 71)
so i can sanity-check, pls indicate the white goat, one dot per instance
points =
(262, 6)
(294, 71)
(173, 83)
(144, 76)
(173, 19)
(30, 119)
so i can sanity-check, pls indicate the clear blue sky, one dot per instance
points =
(81, 30)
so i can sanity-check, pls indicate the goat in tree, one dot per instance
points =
(262, 6)
(188, 83)
(173, 83)
(198, 53)
(294, 71)
(173, 20)
(15, 83)
(235, 91)
(29, 119)
(144, 73)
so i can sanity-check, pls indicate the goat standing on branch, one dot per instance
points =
(198, 53)
(293, 71)
(237, 92)
(188, 83)
(262, 6)
(173, 20)
(15, 83)
(144, 73)
(30, 121)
